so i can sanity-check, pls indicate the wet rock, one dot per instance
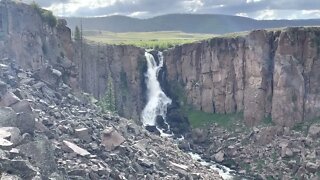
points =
(111, 138)
(73, 148)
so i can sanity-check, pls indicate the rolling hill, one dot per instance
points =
(189, 23)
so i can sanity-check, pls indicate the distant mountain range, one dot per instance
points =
(190, 23)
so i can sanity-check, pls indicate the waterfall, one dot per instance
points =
(157, 100)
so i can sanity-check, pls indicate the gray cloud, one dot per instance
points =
(150, 8)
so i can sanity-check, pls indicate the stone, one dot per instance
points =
(219, 157)
(199, 135)
(5, 144)
(25, 122)
(7, 117)
(314, 131)
(21, 168)
(22, 106)
(111, 138)
(9, 99)
(41, 151)
(71, 147)
(83, 134)
(312, 167)
(11, 134)
(5, 176)
(286, 152)
(3, 89)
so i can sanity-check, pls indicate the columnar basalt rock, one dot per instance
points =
(262, 74)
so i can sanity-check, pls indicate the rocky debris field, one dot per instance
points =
(47, 131)
(266, 151)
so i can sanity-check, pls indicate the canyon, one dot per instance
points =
(263, 74)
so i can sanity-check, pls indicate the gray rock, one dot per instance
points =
(312, 167)
(25, 122)
(9, 99)
(111, 138)
(219, 157)
(21, 168)
(83, 134)
(7, 117)
(22, 106)
(3, 89)
(73, 148)
(41, 152)
(5, 176)
(314, 131)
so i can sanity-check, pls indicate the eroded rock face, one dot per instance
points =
(262, 74)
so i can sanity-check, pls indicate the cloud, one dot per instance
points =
(259, 9)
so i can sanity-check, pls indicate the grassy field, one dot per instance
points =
(149, 40)
(201, 119)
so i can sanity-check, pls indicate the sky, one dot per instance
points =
(257, 9)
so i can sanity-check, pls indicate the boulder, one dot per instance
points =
(22, 106)
(199, 135)
(3, 88)
(314, 131)
(41, 152)
(21, 168)
(11, 134)
(25, 122)
(7, 117)
(219, 157)
(83, 134)
(9, 99)
(111, 138)
(312, 167)
(73, 148)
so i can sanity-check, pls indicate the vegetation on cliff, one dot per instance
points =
(45, 15)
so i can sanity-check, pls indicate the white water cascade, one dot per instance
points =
(157, 100)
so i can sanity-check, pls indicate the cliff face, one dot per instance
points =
(30, 41)
(265, 73)
(122, 65)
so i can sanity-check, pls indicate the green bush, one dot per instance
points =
(46, 16)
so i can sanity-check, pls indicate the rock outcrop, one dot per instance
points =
(63, 135)
(262, 74)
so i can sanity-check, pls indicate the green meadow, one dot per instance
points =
(149, 40)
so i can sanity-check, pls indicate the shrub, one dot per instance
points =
(46, 16)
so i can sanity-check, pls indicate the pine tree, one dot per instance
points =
(77, 34)
(108, 102)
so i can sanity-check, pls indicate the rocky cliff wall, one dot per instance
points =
(123, 65)
(265, 73)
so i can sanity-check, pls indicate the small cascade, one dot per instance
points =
(157, 100)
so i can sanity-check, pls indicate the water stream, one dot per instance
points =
(157, 103)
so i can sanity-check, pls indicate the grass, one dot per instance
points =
(304, 126)
(150, 40)
(200, 119)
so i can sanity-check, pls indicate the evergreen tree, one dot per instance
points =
(108, 102)
(77, 34)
